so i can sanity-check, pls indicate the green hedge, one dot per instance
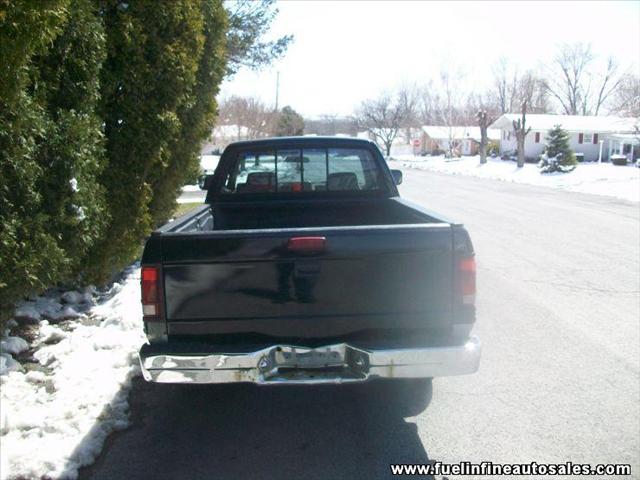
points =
(103, 106)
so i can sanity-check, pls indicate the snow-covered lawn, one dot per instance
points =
(69, 388)
(599, 179)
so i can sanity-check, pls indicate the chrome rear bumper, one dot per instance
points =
(328, 364)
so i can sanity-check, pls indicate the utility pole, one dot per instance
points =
(277, 88)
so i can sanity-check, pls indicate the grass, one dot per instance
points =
(185, 207)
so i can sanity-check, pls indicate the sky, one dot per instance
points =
(346, 52)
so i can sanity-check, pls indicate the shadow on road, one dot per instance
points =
(246, 431)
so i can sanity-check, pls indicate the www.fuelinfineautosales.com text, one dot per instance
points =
(496, 469)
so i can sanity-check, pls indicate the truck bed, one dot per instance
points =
(302, 214)
(315, 213)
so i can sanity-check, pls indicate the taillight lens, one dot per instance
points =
(150, 293)
(307, 244)
(467, 279)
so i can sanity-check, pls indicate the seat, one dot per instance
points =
(342, 181)
(260, 182)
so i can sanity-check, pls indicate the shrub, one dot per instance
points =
(493, 147)
(553, 164)
(619, 160)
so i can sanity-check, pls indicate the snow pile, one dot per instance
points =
(56, 415)
(50, 308)
(599, 179)
(8, 364)
(13, 345)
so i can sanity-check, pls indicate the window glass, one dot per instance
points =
(255, 172)
(307, 170)
(315, 168)
(290, 171)
(351, 169)
(588, 138)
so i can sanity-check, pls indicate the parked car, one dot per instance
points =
(306, 266)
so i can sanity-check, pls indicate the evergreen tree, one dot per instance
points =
(196, 116)
(103, 107)
(68, 85)
(157, 95)
(50, 143)
(289, 123)
(248, 23)
(558, 155)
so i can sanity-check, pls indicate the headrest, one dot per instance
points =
(342, 181)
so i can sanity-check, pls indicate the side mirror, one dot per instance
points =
(204, 181)
(397, 176)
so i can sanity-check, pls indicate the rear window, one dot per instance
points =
(303, 170)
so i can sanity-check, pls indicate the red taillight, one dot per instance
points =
(150, 293)
(307, 244)
(467, 279)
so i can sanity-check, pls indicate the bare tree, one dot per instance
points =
(566, 77)
(330, 124)
(484, 120)
(579, 83)
(382, 117)
(451, 115)
(521, 131)
(429, 102)
(511, 88)
(609, 83)
(252, 117)
(531, 89)
(408, 98)
(626, 100)
(505, 80)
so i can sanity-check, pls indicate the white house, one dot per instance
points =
(466, 140)
(399, 146)
(589, 136)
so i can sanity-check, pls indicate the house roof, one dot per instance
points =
(572, 123)
(631, 138)
(438, 132)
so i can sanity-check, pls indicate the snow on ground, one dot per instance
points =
(599, 179)
(191, 188)
(60, 405)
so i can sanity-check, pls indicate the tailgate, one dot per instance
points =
(364, 277)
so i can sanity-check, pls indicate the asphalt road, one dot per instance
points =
(558, 314)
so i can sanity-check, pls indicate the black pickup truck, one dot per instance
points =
(305, 266)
